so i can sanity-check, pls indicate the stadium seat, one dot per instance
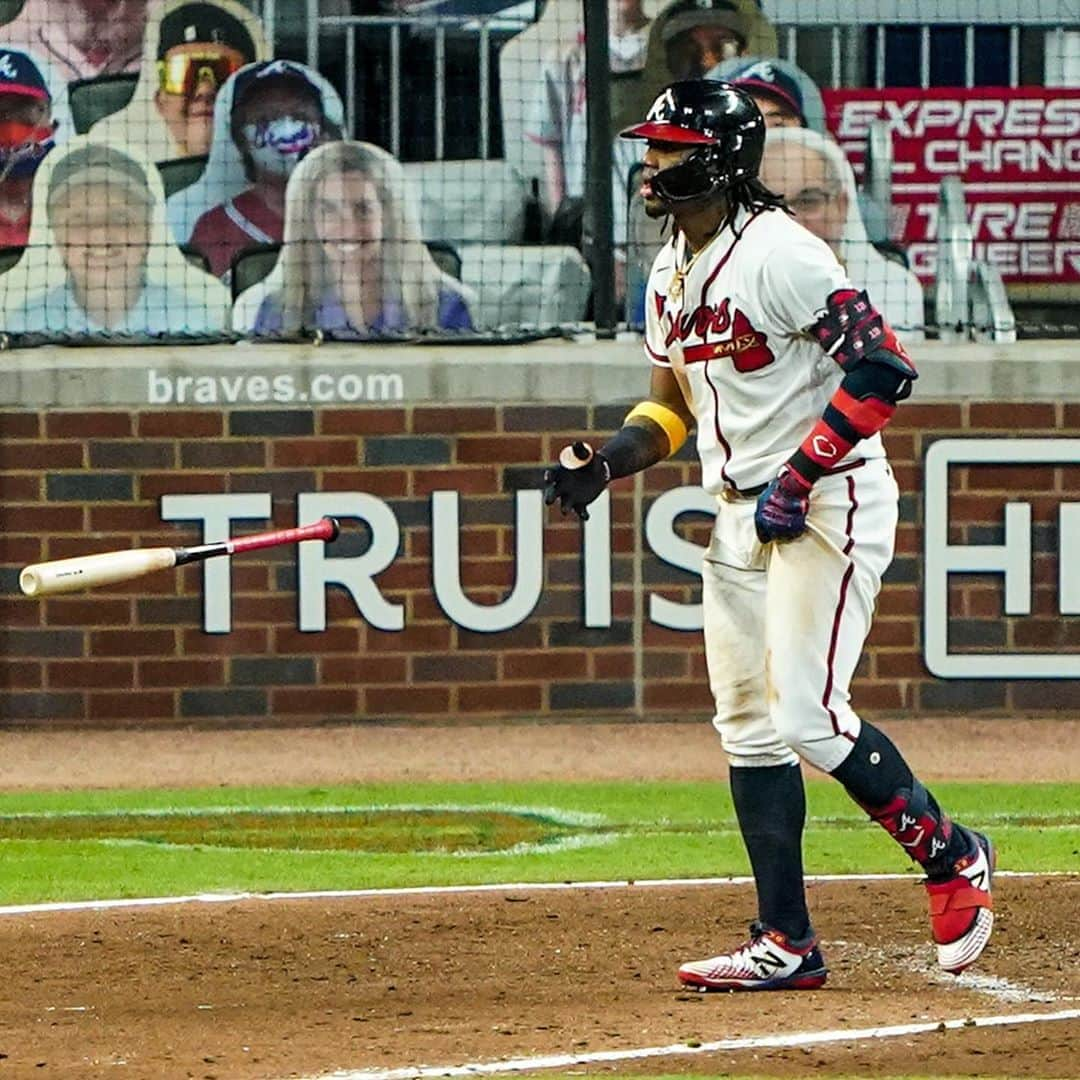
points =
(469, 202)
(9, 256)
(196, 258)
(531, 286)
(251, 265)
(447, 257)
(177, 173)
(92, 99)
(894, 251)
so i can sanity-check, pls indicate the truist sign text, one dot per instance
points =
(1011, 559)
(357, 573)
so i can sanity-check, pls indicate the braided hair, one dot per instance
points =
(751, 194)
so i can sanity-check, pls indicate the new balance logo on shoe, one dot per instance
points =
(768, 961)
(768, 964)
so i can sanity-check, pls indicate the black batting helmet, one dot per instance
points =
(719, 119)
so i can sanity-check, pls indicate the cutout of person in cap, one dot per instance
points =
(34, 117)
(818, 184)
(688, 38)
(189, 50)
(353, 263)
(266, 118)
(100, 259)
(785, 94)
(82, 39)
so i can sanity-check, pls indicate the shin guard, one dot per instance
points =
(916, 822)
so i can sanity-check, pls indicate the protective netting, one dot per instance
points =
(419, 168)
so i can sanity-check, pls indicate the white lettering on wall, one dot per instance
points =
(356, 572)
(1012, 559)
(1069, 569)
(446, 565)
(216, 512)
(668, 546)
(597, 568)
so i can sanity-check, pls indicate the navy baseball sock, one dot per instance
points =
(770, 804)
(879, 779)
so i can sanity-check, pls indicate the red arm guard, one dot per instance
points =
(879, 373)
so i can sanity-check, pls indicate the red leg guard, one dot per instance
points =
(911, 821)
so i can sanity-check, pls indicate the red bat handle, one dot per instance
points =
(323, 529)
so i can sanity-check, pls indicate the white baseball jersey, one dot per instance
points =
(732, 319)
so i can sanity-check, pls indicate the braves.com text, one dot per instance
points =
(280, 388)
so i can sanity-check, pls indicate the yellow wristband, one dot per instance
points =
(673, 424)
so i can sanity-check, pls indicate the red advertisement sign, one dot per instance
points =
(1016, 150)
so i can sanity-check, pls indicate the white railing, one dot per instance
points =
(970, 302)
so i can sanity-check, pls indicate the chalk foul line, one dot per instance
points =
(757, 1042)
(441, 890)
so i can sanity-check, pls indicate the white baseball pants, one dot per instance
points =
(785, 623)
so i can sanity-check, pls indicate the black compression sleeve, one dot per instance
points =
(633, 448)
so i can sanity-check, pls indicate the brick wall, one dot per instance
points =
(75, 482)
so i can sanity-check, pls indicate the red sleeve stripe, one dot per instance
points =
(866, 416)
(659, 358)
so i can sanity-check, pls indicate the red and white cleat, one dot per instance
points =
(768, 961)
(962, 909)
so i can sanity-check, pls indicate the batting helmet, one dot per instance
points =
(724, 125)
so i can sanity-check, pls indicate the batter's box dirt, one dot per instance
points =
(294, 988)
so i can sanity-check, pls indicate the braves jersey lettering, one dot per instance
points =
(746, 346)
(733, 319)
(700, 322)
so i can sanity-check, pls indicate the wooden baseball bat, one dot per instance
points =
(88, 571)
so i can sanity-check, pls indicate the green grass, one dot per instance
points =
(624, 831)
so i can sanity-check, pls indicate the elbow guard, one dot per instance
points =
(882, 375)
(863, 404)
(852, 330)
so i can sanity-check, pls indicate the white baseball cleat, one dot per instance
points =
(962, 909)
(768, 961)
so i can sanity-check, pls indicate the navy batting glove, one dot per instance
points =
(578, 482)
(782, 507)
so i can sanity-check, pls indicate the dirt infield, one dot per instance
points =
(297, 987)
(275, 989)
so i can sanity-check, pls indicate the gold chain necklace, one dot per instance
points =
(678, 279)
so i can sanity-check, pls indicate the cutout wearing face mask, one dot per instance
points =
(22, 146)
(276, 146)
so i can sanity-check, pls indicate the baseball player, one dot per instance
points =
(788, 373)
